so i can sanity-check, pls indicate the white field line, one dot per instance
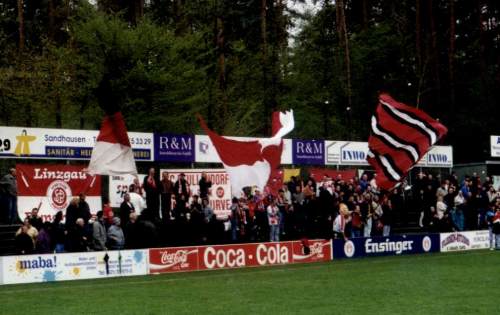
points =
(225, 273)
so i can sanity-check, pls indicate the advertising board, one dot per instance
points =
(219, 195)
(65, 144)
(467, 240)
(73, 266)
(211, 257)
(385, 246)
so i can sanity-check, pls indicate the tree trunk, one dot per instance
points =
(344, 44)
(221, 74)
(51, 13)
(433, 54)
(451, 55)
(20, 19)
(265, 66)
(364, 14)
(58, 110)
(418, 36)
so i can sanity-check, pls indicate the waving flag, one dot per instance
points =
(251, 163)
(112, 154)
(401, 135)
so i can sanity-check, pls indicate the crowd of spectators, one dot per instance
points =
(171, 215)
(449, 205)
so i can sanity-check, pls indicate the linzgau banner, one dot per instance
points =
(51, 188)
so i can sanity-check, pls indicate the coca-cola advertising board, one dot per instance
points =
(51, 188)
(173, 259)
(219, 195)
(177, 259)
(319, 250)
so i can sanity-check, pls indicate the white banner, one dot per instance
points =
(73, 266)
(469, 240)
(44, 143)
(354, 153)
(205, 151)
(439, 156)
(219, 195)
(118, 187)
(495, 146)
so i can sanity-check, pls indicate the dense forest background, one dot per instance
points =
(236, 61)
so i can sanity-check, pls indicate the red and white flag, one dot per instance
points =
(112, 154)
(401, 136)
(251, 163)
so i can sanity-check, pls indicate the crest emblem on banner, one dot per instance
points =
(58, 194)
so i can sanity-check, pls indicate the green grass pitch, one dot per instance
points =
(456, 283)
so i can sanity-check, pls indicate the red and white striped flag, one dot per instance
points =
(112, 154)
(401, 136)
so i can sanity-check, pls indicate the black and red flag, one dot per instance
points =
(401, 136)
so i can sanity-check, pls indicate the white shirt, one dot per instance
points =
(440, 209)
(138, 202)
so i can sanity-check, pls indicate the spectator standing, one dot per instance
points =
(341, 221)
(273, 213)
(208, 212)
(116, 238)
(205, 185)
(152, 188)
(107, 211)
(78, 238)
(9, 183)
(43, 243)
(356, 222)
(235, 219)
(84, 209)
(166, 191)
(181, 188)
(35, 220)
(72, 213)
(30, 230)
(126, 208)
(131, 233)
(496, 227)
(99, 232)
(23, 242)
(458, 216)
(137, 201)
(58, 233)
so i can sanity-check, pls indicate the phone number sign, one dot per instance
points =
(67, 144)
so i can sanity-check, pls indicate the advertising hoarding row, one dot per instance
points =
(179, 259)
(46, 143)
(94, 265)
